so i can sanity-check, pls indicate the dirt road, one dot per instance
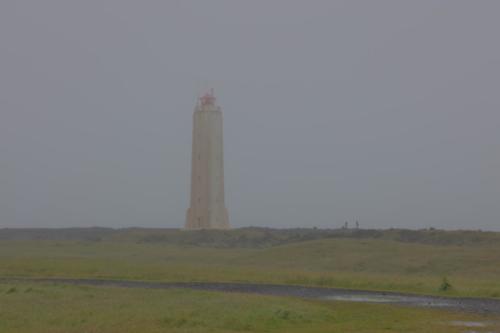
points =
(476, 305)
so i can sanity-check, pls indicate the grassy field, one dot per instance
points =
(396, 260)
(46, 308)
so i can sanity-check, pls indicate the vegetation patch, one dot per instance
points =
(68, 309)
(356, 259)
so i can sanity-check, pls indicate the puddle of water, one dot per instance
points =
(388, 299)
(469, 324)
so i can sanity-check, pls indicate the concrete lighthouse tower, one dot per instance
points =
(207, 209)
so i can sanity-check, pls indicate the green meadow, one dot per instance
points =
(47, 308)
(393, 260)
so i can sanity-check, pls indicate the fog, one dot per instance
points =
(386, 112)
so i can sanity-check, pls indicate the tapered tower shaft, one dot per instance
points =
(207, 209)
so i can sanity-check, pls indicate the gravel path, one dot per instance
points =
(476, 305)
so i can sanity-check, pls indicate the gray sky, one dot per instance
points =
(382, 111)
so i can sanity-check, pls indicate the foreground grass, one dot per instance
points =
(45, 308)
(472, 269)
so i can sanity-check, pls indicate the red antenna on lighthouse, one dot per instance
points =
(208, 98)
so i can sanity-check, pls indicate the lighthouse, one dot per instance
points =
(207, 208)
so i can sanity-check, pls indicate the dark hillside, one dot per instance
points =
(252, 237)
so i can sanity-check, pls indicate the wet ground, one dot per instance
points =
(475, 305)
(473, 326)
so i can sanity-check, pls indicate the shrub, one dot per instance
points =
(445, 285)
(11, 290)
(283, 314)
